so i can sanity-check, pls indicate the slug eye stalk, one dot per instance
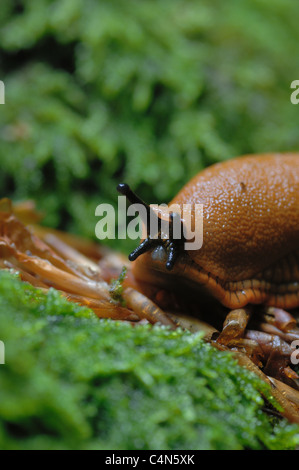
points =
(171, 245)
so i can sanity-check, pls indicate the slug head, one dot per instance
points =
(159, 243)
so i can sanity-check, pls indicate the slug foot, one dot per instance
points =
(268, 344)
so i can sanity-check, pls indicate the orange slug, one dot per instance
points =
(250, 250)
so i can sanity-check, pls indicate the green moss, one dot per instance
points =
(73, 381)
(90, 103)
(116, 288)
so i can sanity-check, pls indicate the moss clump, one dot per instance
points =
(116, 288)
(72, 381)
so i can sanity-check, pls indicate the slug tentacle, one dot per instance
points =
(144, 246)
(171, 245)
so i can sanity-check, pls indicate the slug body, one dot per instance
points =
(250, 250)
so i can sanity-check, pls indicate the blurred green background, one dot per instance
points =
(148, 92)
